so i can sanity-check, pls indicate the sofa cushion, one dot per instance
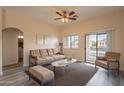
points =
(44, 52)
(56, 50)
(104, 64)
(58, 56)
(35, 52)
(50, 51)
(49, 58)
(41, 73)
(40, 60)
(101, 63)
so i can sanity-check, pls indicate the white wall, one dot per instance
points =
(113, 20)
(10, 46)
(30, 27)
(0, 41)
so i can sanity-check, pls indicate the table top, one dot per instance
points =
(63, 63)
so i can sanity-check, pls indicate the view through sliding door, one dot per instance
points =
(96, 45)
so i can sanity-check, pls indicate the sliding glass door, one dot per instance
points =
(90, 48)
(102, 44)
(96, 45)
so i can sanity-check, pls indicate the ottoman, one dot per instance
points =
(41, 74)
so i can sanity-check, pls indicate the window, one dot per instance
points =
(71, 41)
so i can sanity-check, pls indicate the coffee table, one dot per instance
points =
(62, 63)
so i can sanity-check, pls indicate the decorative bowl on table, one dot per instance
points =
(69, 59)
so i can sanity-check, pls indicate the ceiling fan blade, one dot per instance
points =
(71, 13)
(72, 18)
(75, 16)
(59, 13)
(57, 18)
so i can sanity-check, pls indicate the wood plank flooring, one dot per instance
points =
(15, 76)
(101, 78)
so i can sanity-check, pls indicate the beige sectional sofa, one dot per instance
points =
(44, 56)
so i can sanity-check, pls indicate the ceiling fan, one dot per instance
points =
(65, 16)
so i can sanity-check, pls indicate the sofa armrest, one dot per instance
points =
(32, 59)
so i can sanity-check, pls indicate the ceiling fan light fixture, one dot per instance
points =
(65, 16)
(64, 20)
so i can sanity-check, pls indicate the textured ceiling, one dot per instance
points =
(47, 13)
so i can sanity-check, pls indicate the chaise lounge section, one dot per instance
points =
(44, 56)
(41, 74)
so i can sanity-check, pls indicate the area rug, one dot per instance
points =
(76, 74)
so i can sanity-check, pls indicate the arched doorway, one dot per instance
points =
(12, 47)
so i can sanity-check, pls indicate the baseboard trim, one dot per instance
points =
(11, 65)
